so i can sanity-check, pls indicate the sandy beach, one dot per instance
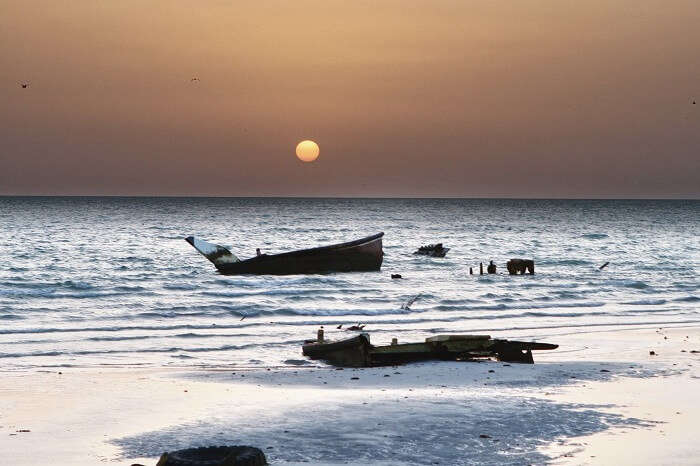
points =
(600, 399)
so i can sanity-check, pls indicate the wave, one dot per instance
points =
(636, 284)
(500, 307)
(566, 262)
(119, 338)
(56, 294)
(173, 349)
(688, 299)
(595, 236)
(646, 302)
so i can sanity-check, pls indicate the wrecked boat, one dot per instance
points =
(432, 250)
(359, 352)
(361, 255)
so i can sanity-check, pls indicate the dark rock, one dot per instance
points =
(520, 266)
(214, 456)
(484, 436)
(396, 275)
(433, 250)
(604, 370)
(652, 353)
(354, 378)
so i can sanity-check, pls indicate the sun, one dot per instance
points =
(307, 151)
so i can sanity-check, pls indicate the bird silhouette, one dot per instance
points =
(24, 85)
(195, 79)
(339, 326)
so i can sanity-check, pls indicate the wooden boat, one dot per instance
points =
(361, 255)
(359, 352)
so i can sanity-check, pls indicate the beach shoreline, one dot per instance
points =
(594, 406)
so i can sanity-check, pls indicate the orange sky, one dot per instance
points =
(548, 98)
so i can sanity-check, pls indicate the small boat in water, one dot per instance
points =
(361, 255)
(359, 352)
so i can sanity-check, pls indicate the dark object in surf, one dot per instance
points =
(432, 250)
(409, 302)
(355, 328)
(491, 268)
(652, 353)
(355, 256)
(359, 352)
(396, 275)
(603, 266)
(520, 266)
(214, 456)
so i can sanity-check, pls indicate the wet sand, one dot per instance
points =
(600, 399)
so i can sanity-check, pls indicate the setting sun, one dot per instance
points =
(307, 151)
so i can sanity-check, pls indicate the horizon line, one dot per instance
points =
(202, 196)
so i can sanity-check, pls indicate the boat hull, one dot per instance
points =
(358, 352)
(363, 255)
(351, 352)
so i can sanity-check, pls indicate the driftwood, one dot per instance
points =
(520, 266)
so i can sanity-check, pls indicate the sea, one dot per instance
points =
(110, 281)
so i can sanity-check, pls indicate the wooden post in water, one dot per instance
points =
(319, 335)
(471, 272)
(481, 268)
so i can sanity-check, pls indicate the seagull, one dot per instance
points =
(24, 85)
(195, 79)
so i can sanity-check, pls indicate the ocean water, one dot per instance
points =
(111, 281)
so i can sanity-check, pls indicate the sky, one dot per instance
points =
(437, 98)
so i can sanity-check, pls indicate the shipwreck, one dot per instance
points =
(361, 255)
(359, 352)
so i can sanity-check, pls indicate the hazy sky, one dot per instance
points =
(517, 98)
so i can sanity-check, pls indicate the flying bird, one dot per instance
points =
(24, 85)
(407, 305)
(195, 79)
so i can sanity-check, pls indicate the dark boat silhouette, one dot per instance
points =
(361, 255)
(359, 352)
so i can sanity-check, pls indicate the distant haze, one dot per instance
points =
(497, 98)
